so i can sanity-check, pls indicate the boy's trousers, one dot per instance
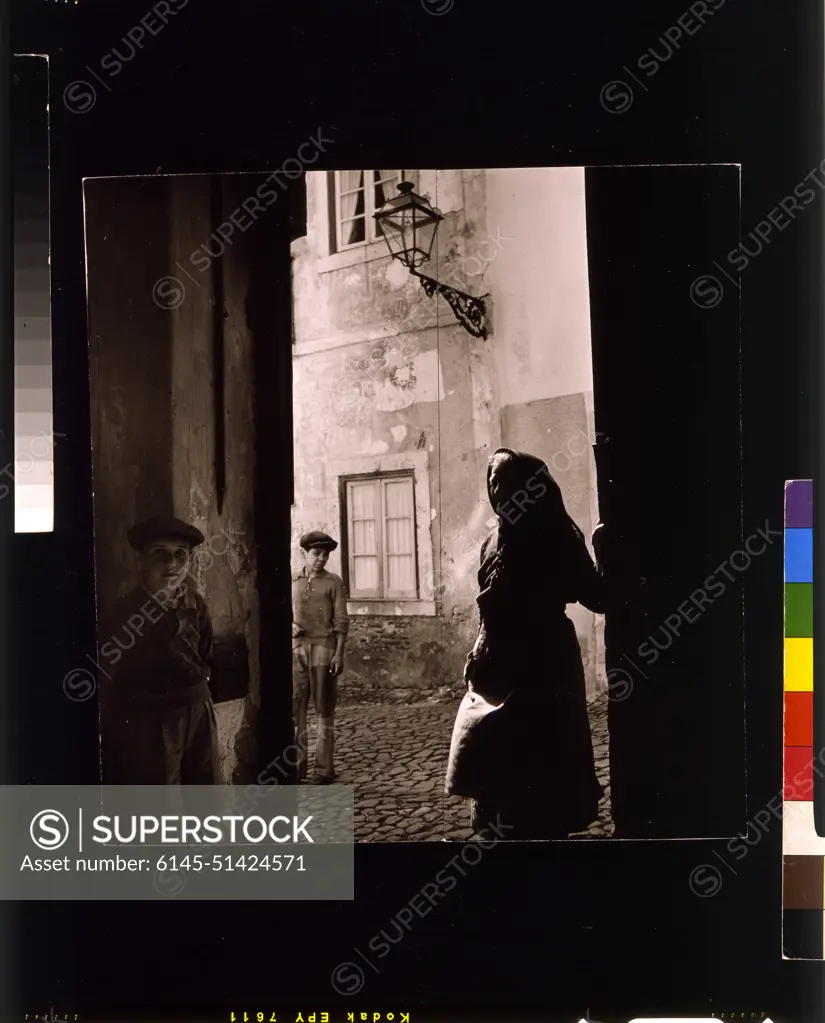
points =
(153, 744)
(312, 677)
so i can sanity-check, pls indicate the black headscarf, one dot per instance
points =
(536, 507)
(534, 517)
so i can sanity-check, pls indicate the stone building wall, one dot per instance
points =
(384, 378)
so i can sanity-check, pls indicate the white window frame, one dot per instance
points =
(337, 471)
(380, 480)
(371, 232)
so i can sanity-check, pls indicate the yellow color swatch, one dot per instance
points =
(799, 665)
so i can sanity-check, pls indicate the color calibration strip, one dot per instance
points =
(803, 851)
(32, 472)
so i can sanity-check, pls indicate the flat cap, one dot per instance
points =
(150, 530)
(316, 538)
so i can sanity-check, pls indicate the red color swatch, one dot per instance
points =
(799, 774)
(799, 719)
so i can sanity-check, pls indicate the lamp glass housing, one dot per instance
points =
(409, 224)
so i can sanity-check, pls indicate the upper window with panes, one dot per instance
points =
(357, 196)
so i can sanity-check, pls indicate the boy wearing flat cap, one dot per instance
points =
(163, 727)
(319, 629)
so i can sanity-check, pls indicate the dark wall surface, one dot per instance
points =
(670, 495)
(130, 360)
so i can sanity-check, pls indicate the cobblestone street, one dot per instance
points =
(395, 756)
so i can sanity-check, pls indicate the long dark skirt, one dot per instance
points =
(526, 758)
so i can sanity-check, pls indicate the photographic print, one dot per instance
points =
(507, 555)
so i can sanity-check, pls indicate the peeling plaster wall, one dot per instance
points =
(395, 412)
(380, 370)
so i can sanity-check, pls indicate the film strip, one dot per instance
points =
(803, 851)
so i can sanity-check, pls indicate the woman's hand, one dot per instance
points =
(473, 655)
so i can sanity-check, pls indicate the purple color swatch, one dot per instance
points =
(799, 503)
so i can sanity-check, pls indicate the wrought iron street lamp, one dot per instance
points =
(409, 224)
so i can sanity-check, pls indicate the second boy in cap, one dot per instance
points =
(319, 629)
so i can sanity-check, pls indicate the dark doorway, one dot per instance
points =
(666, 359)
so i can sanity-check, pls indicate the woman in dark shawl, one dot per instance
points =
(521, 748)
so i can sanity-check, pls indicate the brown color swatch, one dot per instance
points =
(803, 882)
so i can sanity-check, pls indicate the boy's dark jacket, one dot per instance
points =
(160, 647)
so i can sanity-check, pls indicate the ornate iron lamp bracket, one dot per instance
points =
(470, 312)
